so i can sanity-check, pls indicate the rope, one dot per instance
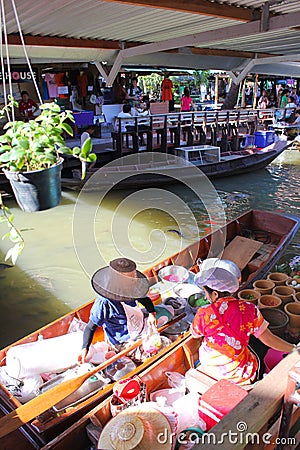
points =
(25, 51)
(7, 56)
(3, 70)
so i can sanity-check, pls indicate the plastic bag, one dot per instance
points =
(24, 389)
(151, 340)
(176, 380)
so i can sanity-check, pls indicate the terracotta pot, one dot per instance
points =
(289, 283)
(297, 297)
(244, 294)
(264, 286)
(269, 301)
(293, 312)
(279, 278)
(286, 293)
(278, 320)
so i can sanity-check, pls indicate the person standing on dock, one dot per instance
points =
(119, 287)
(166, 91)
(226, 325)
(186, 101)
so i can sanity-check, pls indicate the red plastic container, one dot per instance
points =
(218, 401)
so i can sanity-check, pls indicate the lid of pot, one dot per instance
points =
(177, 328)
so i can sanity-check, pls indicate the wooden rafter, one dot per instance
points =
(47, 41)
(203, 7)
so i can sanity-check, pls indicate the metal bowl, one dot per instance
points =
(175, 274)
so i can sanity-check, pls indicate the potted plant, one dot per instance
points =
(30, 156)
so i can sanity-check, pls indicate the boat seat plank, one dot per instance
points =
(263, 255)
(240, 250)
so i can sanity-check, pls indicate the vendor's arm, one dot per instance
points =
(147, 303)
(88, 334)
(275, 342)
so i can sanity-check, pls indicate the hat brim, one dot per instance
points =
(123, 289)
(155, 424)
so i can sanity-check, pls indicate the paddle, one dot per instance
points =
(41, 403)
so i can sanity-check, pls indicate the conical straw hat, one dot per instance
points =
(137, 428)
(120, 281)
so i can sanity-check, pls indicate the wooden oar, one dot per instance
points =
(41, 403)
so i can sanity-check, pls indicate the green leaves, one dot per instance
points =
(13, 234)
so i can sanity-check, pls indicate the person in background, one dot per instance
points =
(27, 106)
(186, 101)
(263, 102)
(166, 91)
(120, 287)
(272, 101)
(284, 98)
(134, 94)
(297, 120)
(126, 125)
(121, 91)
(289, 110)
(295, 96)
(226, 325)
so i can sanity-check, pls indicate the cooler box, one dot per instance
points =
(218, 401)
(264, 138)
(249, 140)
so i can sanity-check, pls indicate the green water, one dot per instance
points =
(65, 245)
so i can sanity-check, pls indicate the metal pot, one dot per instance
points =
(177, 329)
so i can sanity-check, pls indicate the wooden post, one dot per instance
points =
(216, 90)
(243, 100)
(255, 91)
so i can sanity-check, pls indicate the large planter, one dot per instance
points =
(37, 190)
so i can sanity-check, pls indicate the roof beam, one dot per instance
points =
(42, 41)
(48, 41)
(203, 7)
(246, 29)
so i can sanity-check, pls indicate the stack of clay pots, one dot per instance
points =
(279, 296)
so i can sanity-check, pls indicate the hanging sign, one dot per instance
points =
(19, 75)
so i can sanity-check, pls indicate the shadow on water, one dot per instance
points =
(25, 304)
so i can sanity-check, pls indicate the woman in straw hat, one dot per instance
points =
(119, 287)
(226, 325)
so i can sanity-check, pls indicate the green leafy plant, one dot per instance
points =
(38, 143)
(35, 145)
(13, 234)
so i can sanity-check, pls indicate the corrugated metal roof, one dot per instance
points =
(96, 19)
(92, 19)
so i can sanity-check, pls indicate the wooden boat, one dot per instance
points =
(267, 237)
(258, 412)
(148, 169)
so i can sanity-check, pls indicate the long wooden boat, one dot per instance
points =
(267, 237)
(256, 416)
(147, 170)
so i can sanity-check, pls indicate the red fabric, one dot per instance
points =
(166, 89)
(26, 108)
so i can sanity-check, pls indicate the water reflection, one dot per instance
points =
(49, 280)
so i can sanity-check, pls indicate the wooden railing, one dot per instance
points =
(161, 132)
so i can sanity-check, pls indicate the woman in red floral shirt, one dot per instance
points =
(226, 325)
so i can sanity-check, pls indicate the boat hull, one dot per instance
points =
(158, 173)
